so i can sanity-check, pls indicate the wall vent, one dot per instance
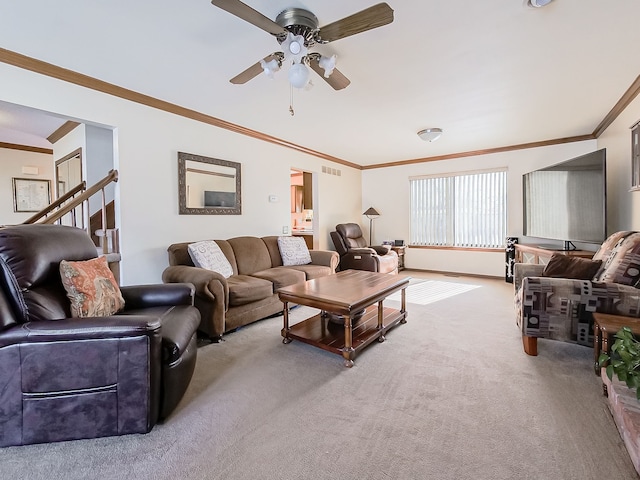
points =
(331, 171)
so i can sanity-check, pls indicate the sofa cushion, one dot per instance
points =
(609, 244)
(565, 266)
(294, 251)
(281, 276)
(251, 254)
(207, 254)
(245, 289)
(312, 271)
(623, 263)
(91, 288)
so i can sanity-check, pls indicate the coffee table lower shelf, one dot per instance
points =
(320, 332)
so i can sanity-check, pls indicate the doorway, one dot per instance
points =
(302, 219)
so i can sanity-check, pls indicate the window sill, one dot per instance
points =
(464, 249)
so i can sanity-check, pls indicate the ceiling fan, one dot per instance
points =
(297, 30)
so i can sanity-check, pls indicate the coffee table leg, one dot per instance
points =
(285, 330)
(403, 305)
(347, 351)
(381, 338)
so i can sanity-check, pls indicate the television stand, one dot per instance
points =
(540, 255)
(567, 247)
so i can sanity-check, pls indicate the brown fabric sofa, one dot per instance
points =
(250, 293)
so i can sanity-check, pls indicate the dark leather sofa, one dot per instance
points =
(64, 378)
(356, 254)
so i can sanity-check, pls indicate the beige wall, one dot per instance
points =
(147, 146)
(393, 204)
(12, 162)
(147, 142)
(623, 205)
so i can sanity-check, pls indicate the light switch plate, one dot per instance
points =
(285, 229)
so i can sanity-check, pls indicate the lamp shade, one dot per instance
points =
(371, 212)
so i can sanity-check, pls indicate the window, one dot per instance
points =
(460, 210)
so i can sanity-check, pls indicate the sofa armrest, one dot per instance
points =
(144, 296)
(521, 270)
(561, 308)
(381, 249)
(362, 251)
(200, 278)
(360, 259)
(327, 258)
(211, 295)
(75, 329)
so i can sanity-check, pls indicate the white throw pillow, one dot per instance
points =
(207, 254)
(293, 251)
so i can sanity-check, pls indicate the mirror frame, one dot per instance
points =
(182, 186)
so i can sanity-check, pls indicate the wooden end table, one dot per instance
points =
(344, 296)
(400, 250)
(606, 326)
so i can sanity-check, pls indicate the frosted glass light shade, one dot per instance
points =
(328, 64)
(270, 67)
(539, 3)
(430, 134)
(298, 75)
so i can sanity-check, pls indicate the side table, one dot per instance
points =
(606, 326)
(400, 252)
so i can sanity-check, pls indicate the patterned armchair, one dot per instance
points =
(562, 309)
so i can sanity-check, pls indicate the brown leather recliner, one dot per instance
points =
(66, 378)
(357, 255)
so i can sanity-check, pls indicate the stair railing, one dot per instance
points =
(67, 204)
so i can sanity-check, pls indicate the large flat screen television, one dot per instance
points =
(567, 201)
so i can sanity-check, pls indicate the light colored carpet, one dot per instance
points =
(449, 395)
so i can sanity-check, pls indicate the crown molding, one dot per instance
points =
(26, 148)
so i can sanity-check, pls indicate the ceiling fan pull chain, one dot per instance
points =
(291, 111)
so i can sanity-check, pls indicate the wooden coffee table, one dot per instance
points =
(341, 327)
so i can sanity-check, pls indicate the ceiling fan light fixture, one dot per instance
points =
(294, 47)
(328, 64)
(430, 134)
(298, 75)
(270, 67)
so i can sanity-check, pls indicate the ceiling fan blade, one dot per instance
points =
(369, 18)
(337, 80)
(254, 70)
(248, 14)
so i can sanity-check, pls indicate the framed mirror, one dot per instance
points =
(208, 186)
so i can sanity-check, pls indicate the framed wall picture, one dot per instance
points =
(30, 194)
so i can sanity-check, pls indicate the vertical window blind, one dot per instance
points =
(462, 210)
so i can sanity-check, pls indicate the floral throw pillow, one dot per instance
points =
(91, 288)
(207, 254)
(293, 251)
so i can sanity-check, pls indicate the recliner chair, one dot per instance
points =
(64, 378)
(357, 255)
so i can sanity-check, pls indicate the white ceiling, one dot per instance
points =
(490, 73)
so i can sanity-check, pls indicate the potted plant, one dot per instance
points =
(624, 360)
